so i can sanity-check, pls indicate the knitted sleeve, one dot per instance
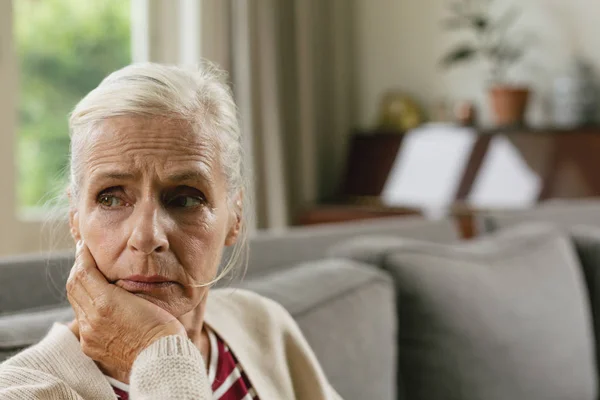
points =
(17, 383)
(170, 368)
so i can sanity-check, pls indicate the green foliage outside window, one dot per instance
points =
(65, 48)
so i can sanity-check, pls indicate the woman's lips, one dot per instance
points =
(139, 283)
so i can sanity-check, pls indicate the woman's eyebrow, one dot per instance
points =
(124, 176)
(190, 176)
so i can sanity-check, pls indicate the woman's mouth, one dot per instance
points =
(141, 283)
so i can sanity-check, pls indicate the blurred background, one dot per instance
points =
(351, 109)
(395, 129)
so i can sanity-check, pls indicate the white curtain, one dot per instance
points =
(291, 65)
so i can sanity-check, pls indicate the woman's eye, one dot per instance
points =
(109, 200)
(186, 201)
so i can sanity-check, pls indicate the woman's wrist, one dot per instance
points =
(171, 345)
(172, 329)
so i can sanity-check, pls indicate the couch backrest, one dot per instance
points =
(562, 213)
(32, 281)
(274, 250)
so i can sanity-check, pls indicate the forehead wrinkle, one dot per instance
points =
(145, 135)
(135, 138)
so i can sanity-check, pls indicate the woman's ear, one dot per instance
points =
(74, 225)
(73, 218)
(235, 222)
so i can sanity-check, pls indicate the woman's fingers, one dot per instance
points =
(79, 298)
(80, 316)
(87, 272)
(74, 327)
(86, 285)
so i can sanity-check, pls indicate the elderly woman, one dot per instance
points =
(156, 193)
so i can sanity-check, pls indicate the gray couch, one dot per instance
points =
(401, 308)
(346, 309)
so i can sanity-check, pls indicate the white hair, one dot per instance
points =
(199, 96)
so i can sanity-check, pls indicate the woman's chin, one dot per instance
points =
(174, 305)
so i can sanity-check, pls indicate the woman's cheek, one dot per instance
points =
(197, 256)
(104, 241)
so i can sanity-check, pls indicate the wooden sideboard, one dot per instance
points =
(332, 213)
(567, 162)
(464, 218)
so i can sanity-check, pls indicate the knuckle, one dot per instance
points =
(72, 276)
(103, 307)
(85, 330)
(95, 324)
(87, 349)
(81, 272)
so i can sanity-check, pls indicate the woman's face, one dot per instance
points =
(153, 209)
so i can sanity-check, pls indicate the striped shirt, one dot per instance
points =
(226, 376)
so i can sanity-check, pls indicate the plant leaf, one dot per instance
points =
(480, 22)
(462, 53)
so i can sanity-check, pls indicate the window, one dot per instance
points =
(52, 53)
(64, 49)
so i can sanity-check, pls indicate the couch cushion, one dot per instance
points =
(506, 317)
(346, 311)
(33, 281)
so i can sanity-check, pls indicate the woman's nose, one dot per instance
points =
(147, 232)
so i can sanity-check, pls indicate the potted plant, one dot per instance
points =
(491, 42)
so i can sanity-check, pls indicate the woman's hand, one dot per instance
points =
(113, 325)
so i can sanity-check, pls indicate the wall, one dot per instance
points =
(400, 42)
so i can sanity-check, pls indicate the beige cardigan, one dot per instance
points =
(263, 336)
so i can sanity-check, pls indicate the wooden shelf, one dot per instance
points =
(327, 214)
(547, 151)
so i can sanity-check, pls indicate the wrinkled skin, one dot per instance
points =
(153, 201)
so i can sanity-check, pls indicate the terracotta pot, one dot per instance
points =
(509, 104)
